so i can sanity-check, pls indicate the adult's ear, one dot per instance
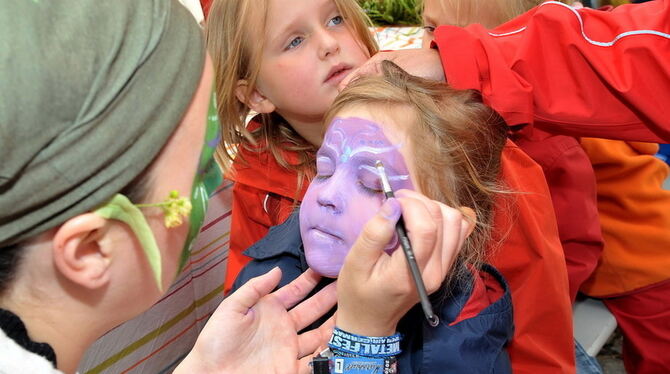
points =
(254, 99)
(471, 217)
(80, 252)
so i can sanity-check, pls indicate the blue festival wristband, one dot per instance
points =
(367, 346)
(332, 362)
(363, 365)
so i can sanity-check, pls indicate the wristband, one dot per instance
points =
(367, 346)
(363, 365)
(329, 363)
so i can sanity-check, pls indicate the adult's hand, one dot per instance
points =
(253, 330)
(376, 289)
(422, 62)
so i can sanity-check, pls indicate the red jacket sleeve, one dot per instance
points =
(575, 72)
(249, 223)
(530, 257)
(572, 185)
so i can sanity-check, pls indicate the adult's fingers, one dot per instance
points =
(433, 256)
(370, 67)
(310, 341)
(421, 223)
(251, 292)
(316, 306)
(374, 237)
(296, 291)
(455, 229)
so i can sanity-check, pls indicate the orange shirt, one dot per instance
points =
(634, 214)
(530, 257)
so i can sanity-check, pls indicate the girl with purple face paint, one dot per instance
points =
(346, 191)
(433, 140)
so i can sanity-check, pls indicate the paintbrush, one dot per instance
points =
(400, 229)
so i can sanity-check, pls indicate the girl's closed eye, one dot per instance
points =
(369, 182)
(325, 167)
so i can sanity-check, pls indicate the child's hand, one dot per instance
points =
(253, 330)
(424, 63)
(376, 289)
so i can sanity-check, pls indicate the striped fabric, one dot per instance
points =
(156, 341)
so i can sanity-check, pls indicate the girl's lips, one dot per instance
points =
(321, 235)
(325, 232)
(336, 76)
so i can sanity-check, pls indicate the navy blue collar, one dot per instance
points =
(281, 239)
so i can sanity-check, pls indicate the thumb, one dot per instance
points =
(376, 235)
(248, 295)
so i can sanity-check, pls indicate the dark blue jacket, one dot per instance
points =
(473, 345)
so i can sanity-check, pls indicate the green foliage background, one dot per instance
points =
(392, 12)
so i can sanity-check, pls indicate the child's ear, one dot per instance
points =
(80, 253)
(254, 100)
(470, 216)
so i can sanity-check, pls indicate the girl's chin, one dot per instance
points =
(324, 268)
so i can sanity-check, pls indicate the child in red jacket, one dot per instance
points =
(285, 63)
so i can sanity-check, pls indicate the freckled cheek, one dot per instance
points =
(296, 77)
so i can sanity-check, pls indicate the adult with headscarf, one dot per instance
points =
(104, 181)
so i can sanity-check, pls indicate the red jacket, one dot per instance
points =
(205, 6)
(531, 258)
(572, 184)
(264, 195)
(575, 72)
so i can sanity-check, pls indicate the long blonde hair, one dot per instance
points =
(457, 143)
(499, 11)
(232, 31)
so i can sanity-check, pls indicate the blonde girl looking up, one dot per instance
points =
(283, 60)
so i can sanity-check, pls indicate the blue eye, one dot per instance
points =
(335, 21)
(295, 42)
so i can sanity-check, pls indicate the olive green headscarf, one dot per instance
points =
(90, 91)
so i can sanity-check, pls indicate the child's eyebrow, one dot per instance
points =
(285, 31)
(428, 21)
(393, 175)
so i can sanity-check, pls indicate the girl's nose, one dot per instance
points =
(330, 197)
(328, 44)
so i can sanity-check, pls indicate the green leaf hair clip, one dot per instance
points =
(120, 208)
(174, 208)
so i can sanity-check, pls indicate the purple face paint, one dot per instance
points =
(347, 190)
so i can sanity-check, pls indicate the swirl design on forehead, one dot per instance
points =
(358, 141)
